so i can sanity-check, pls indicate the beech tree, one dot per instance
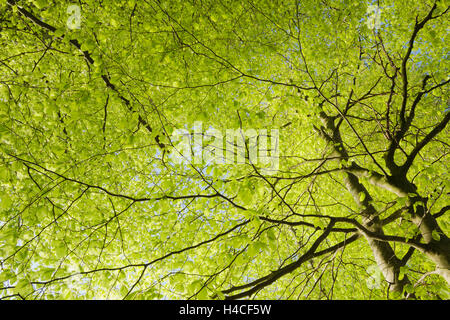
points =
(93, 203)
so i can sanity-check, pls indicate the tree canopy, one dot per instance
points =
(350, 97)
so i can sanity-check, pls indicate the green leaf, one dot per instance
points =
(7, 275)
(203, 294)
(59, 32)
(40, 4)
(5, 201)
(409, 288)
(195, 286)
(435, 235)
(23, 287)
(271, 235)
(123, 291)
(362, 196)
(402, 273)
(402, 201)
(60, 249)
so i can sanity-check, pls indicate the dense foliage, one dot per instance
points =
(94, 205)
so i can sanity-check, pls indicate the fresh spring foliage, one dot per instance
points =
(92, 204)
